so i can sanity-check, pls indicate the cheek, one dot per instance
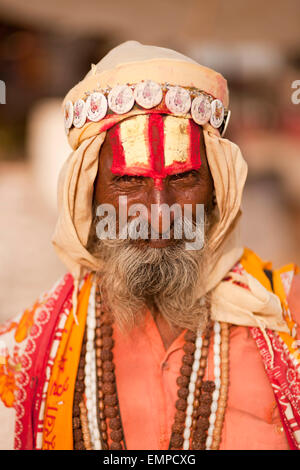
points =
(120, 199)
(205, 193)
(200, 194)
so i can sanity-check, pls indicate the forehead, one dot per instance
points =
(154, 145)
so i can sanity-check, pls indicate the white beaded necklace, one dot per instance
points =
(192, 386)
(217, 380)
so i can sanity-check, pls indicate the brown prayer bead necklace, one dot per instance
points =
(200, 406)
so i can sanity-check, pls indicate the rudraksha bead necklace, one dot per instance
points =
(200, 407)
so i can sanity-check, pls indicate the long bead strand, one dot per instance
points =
(99, 371)
(200, 406)
(177, 439)
(191, 390)
(107, 390)
(85, 427)
(200, 422)
(217, 380)
(224, 387)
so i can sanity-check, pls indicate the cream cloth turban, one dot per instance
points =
(130, 63)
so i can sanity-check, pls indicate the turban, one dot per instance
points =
(131, 63)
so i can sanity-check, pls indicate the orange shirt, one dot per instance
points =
(146, 380)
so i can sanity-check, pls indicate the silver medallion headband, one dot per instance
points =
(147, 94)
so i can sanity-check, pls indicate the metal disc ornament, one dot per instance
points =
(148, 94)
(121, 99)
(227, 119)
(68, 114)
(201, 110)
(79, 113)
(217, 113)
(178, 100)
(96, 106)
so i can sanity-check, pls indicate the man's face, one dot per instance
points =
(164, 274)
(188, 187)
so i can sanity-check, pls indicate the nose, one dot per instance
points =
(159, 201)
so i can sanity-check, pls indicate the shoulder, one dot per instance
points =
(20, 326)
(284, 282)
(21, 336)
(15, 332)
(24, 343)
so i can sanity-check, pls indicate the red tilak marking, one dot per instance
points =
(118, 164)
(193, 161)
(154, 137)
(156, 145)
(195, 140)
(158, 183)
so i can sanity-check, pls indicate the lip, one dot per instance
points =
(156, 243)
(160, 243)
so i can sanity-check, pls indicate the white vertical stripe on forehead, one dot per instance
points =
(134, 139)
(177, 139)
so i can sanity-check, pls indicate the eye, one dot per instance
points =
(187, 175)
(129, 178)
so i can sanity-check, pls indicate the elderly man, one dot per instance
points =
(154, 340)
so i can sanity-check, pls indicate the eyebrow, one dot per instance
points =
(182, 173)
(115, 177)
(193, 170)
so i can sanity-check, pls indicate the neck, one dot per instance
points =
(167, 332)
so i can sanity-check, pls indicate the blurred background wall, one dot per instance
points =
(47, 47)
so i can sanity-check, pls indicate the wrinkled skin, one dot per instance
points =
(192, 187)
